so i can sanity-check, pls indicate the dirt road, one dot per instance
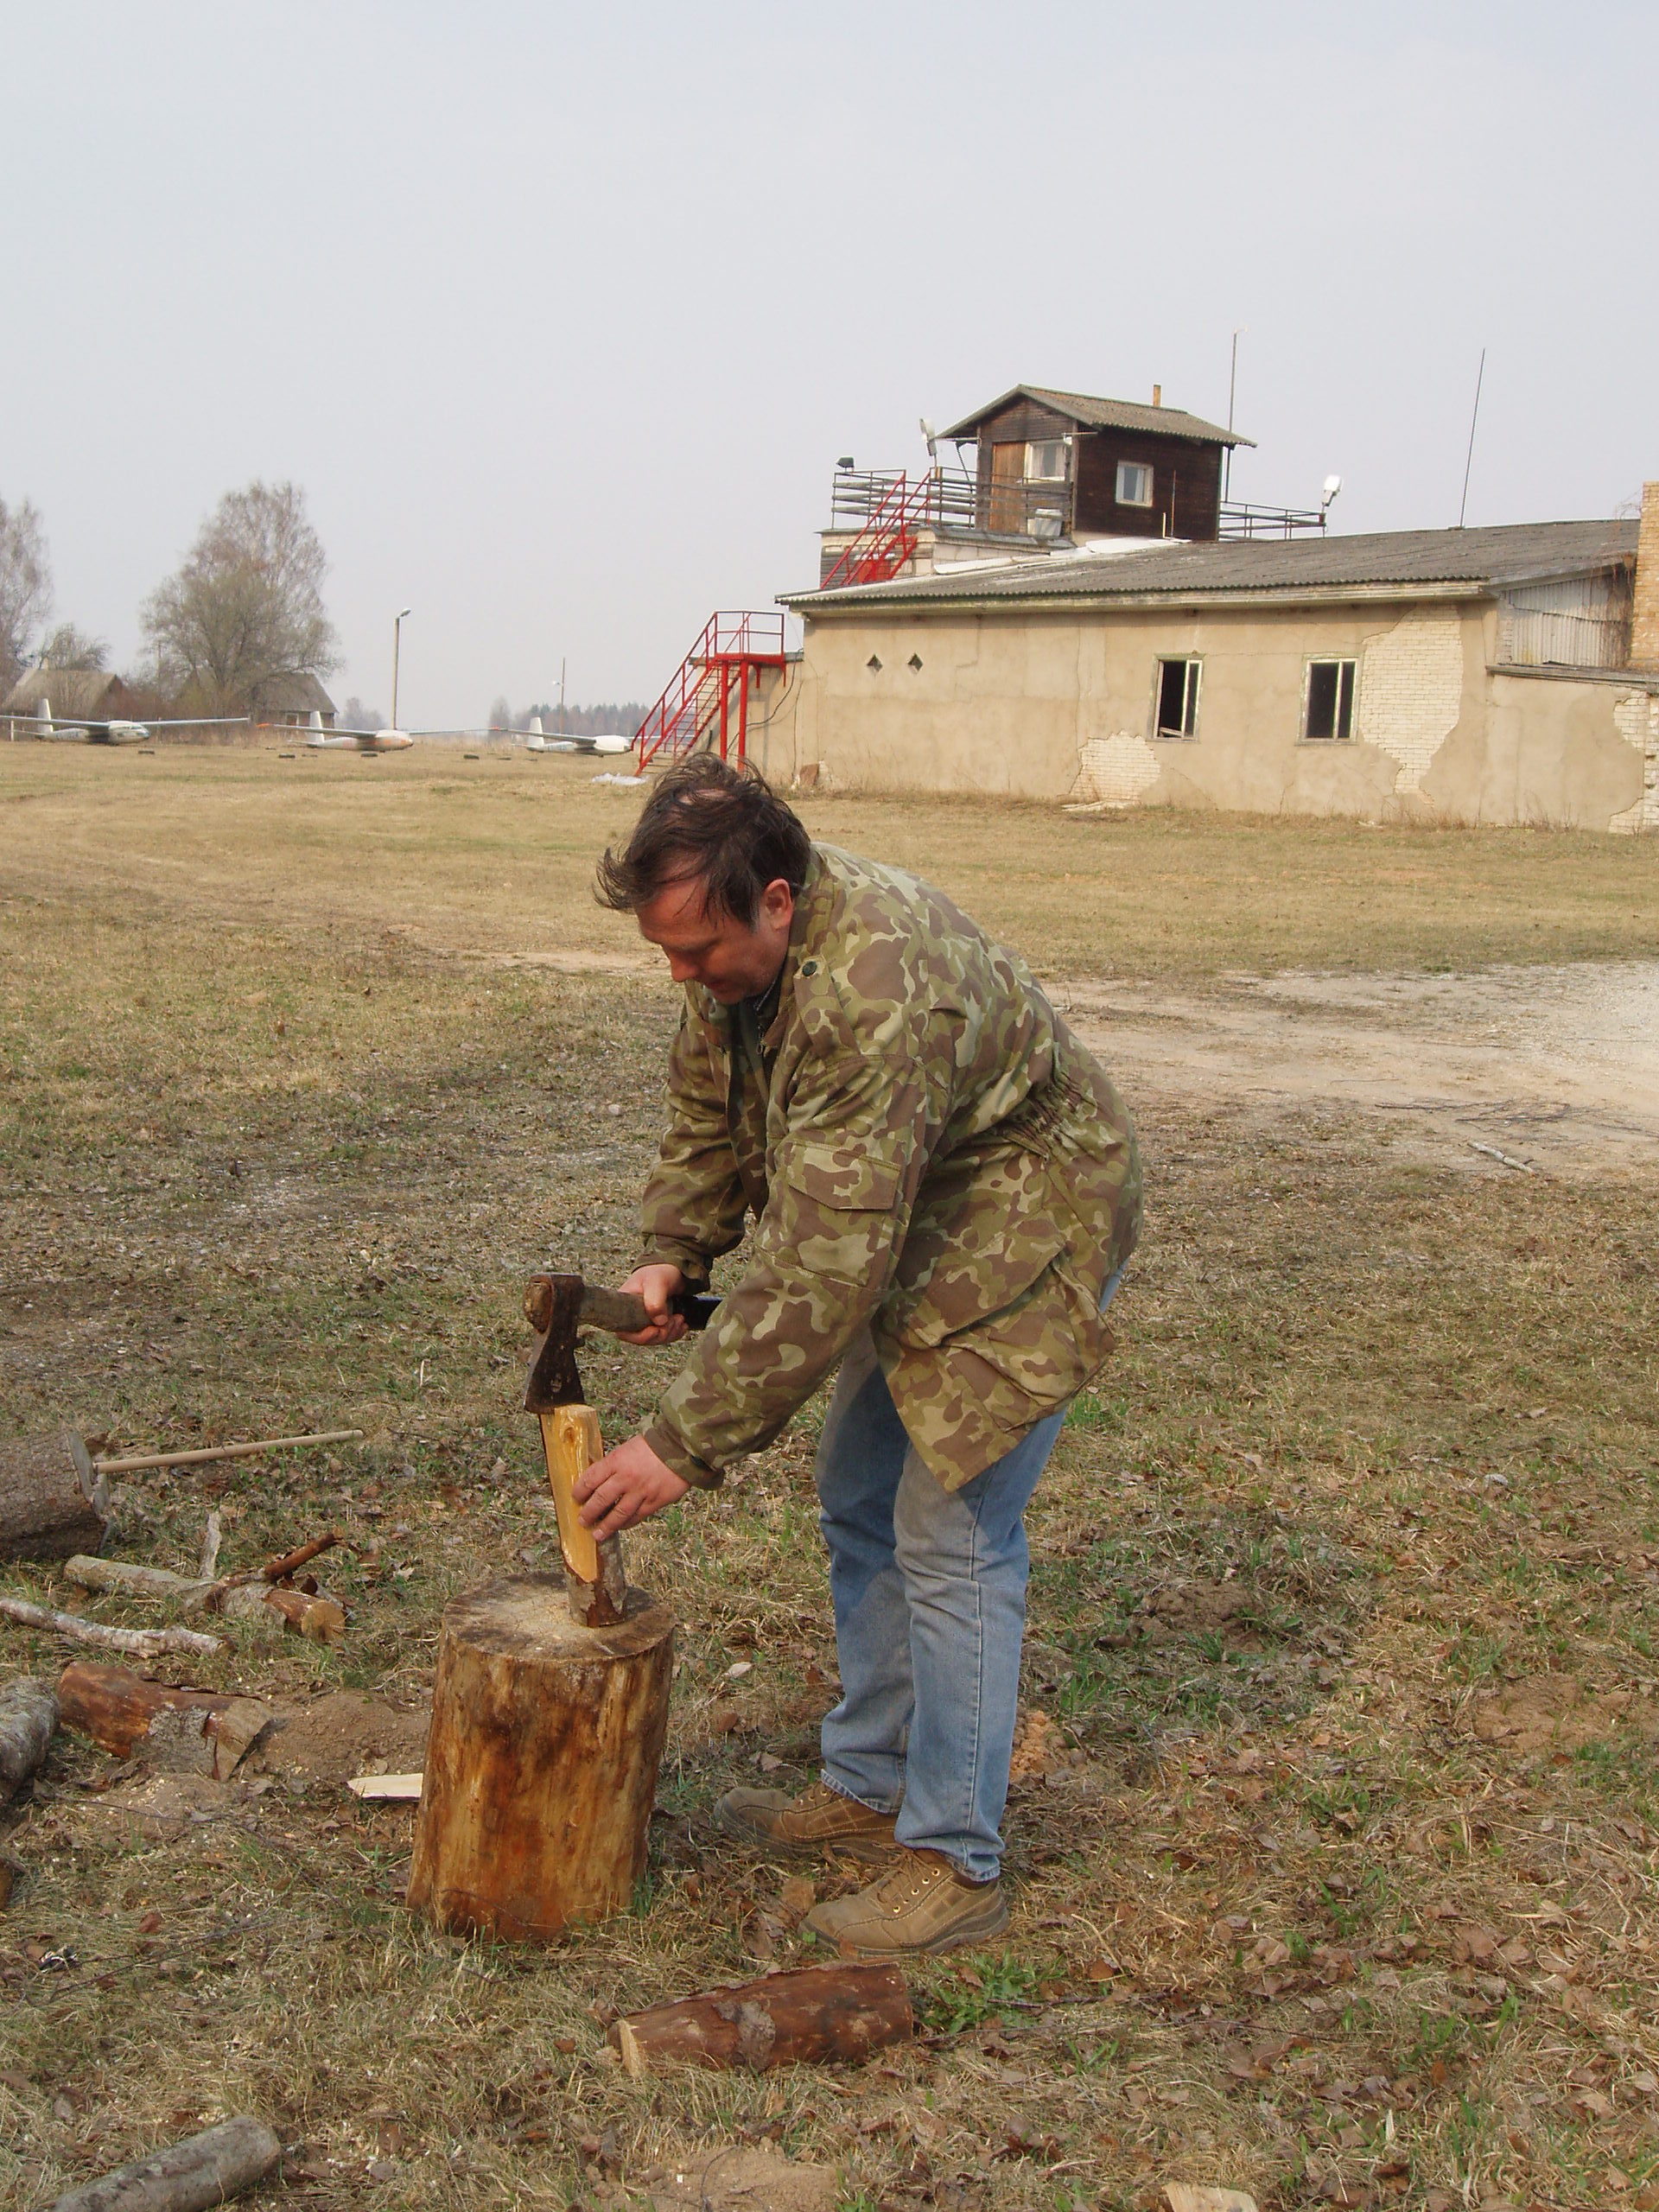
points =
(1556, 1066)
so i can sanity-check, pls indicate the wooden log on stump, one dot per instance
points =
(53, 1500)
(541, 1767)
(786, 2020)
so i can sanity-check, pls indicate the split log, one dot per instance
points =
(141, 1642)
(385, 1788)
(117, 1708)
(313, 1614)
(132, 1580)
(786, 2019)
(28, 1721)
(541, 1766)
(53, 1500)
(209, 2169)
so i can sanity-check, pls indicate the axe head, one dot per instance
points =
(553, 1378)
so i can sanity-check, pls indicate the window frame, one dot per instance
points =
(1192, 696)
(1338, 661)
(1140, 506)
(1034, 446)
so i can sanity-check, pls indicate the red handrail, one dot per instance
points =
(888, 538)
(700, 689)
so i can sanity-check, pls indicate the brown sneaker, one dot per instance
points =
(819, 1821)
(922, 1903)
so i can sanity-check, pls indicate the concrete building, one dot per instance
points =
(1459, 675)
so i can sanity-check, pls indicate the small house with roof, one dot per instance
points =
(1066, 464)
(73, 695)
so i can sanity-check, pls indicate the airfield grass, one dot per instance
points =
(1332, 1854)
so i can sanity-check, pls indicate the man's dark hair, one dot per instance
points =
(724, 826)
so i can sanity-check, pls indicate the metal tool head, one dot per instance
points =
(553, 1305)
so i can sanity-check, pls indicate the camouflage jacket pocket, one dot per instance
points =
(835, 1210)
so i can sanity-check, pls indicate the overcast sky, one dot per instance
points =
(562, 315)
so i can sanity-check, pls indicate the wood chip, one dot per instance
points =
(388, 1786)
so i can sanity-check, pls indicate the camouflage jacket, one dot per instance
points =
(927, 1152)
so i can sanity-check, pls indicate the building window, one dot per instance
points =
(873, 664)
(1048, 460)
(1178, 697)
(1328, 705)
(1135, 483)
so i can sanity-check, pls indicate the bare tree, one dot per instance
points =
(25, 587)
(68, 647)
(355, 715)
(501, 715)
(244, 612)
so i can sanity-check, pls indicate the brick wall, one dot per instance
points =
(1644, 612)
(1411, 693)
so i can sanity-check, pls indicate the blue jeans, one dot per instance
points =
(929, 1588)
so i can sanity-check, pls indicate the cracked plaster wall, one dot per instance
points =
(1058, 706)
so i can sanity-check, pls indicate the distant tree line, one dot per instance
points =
(239, 619)
(602, 720)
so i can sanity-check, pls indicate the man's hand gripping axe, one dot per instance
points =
(557, 1307)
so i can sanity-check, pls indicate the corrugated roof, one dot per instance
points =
(1484, 560)
(1092, 414)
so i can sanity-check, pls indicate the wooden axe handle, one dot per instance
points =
(622, 1311)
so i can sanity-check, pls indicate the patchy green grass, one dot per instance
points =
(1332, 1851)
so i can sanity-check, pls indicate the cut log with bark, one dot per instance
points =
(28, 1721)
(53, 1500)
(190, 1731)
(138, 1643)
(541, 1766)
(117, 1708)
(226, 2161)
(312, 1614)
(129, 1580)
(786, 2020)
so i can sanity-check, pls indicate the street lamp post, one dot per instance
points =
(397, 646)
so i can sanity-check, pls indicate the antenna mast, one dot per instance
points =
(1468, 461)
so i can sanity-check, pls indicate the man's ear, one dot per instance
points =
(778, 902)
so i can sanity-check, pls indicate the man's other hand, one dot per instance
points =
(627, 1485)
(656, 1284)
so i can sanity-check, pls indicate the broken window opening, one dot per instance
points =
(1328, 711)
(1178, 697)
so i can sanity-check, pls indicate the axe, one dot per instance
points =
(556, 1307)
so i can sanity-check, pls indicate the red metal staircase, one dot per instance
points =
(890, 534)
(711, 687)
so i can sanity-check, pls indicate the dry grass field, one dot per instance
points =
(1333, 1848)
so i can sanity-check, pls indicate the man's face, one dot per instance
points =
(728, 958)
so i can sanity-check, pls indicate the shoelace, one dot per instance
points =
(905, 1885)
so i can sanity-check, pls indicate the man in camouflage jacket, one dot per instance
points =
(945, 1188)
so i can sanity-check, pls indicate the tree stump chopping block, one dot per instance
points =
(541, 1767)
